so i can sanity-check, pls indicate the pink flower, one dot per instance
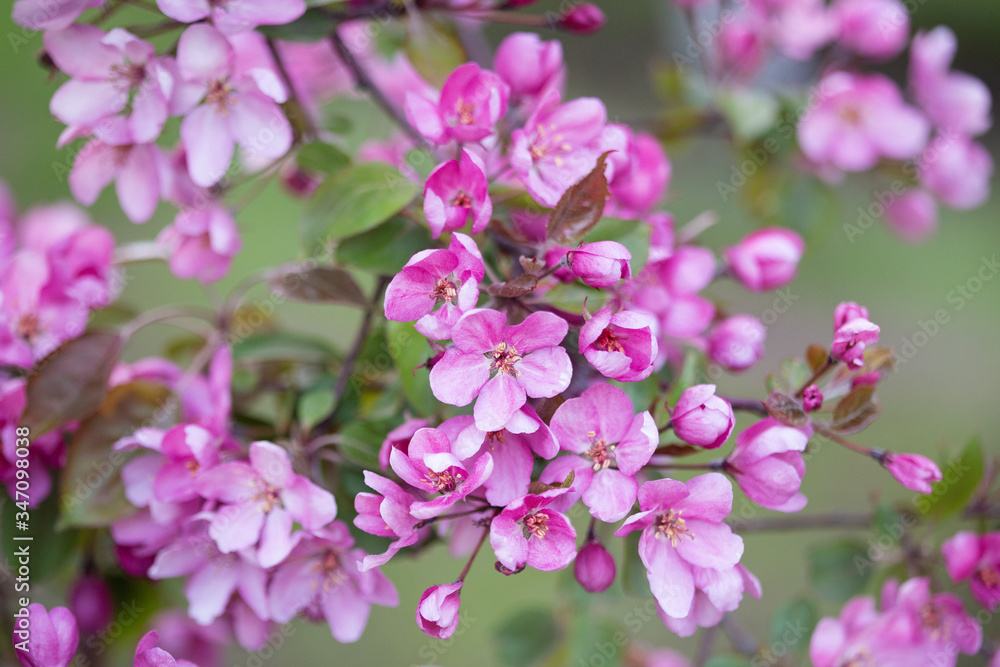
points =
(430, 465)
(472, 101)
(455, 190)
(386, 515)
(236, 107)
(701, 418)
(399, 437)
(529, 532)
(437, 611)
(147, 654)
(49, 15)
(642, 181)
(119, 90)
(938, 619)
(47, 452)
(201, 243)
(767, 464)
(977, 558)
(601, 427)
(852, 333)
(876, 29)
(684, 543)
(858, 119)
(594, 568)
(913, 471)
(741, 46)
(620, 345)
(847, 311)
(91, 601)
(954, 101)
(582, 19)
(234, 15)
(45, 638)
(812, 398)
(704, 612)
(446, 278)
(600, 264)
(957, 171)
(262, 500)
(135, 169)
(321, 577)
(189, 451)
(799, 28)
(766, 259)
(529, 66)
(557, 146)
(913, 215)
(737, 342)
(527, 359)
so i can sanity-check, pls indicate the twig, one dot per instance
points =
(359, 341)
(741, 640)
(305, 129)
(835, 520)
(747, 404)
(706, 646)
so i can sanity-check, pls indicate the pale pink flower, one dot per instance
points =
(766, 259)
(530, 533)
(957, 171)
(136, 170)
(954, 101)
(148, 654)
(737, 342)
(875, 29)
(233, 15)
(913, 215)
(50, 14)
(201, 243)
(437, 611)
(976, 558)
(385, 515)
(701, 418)
(767, 464)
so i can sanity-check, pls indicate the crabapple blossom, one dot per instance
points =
(913, 471)
(386, 515)
(529, 532)
(913, 215)
(957, 171)
(594, 567)
(437, 611)
(600, 264)
(582, 19)
(737, 342)
(622, 345)
(399, 437)
(876, 29)
(637, 187)
(455, 190)
(812, 398)
(852, 333)
(148, 654)
(767, 464)
(704, 612)
(233, 15)
(976, 558)
(136, 170)
(954, 101)
(701, 418)
(201, 243)
(46, 637)
(48, 15)
(529, 66)
(472, 101)
(766, 259)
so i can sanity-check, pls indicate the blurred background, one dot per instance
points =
(947, 393)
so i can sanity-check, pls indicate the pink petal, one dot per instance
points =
(714, 545)
(545, 373)
(208, 144)
(498, 400)
(538, 330)
(611, 495)
(346, 613)
(96, 165)
(308, 504)
(138, 184)
(237, 527)
(557, 549)
(276, 538)
(209, 589)
(457, 377)
(257, 123)
(670, 578)
(204, 54)
(293, 587)
(271, 462)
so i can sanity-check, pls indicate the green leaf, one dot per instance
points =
(360, 442)
(434, 49)
(791, 626)
(525, 637)
(633, 573)
(839, 570)
(855, 411)
(283, 346)
(750, 113)
(960, 477)
(70, 383)
(409, 350)
(580, 208)
(320, 284)
(386, 248)
(592, 637)
(312, 26)
(791, 375)
(352, 201)
(314, 406)
(90, 485)
(319, 156)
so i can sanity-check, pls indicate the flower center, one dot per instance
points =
(192, 466)
(989, 576)
(535, 524)
(332, 569)
(504, 358)
(543, 145)
(465, 111)
(444, 290)
(221, 95)
(861, 658)
(672, 527)
(266, 497)
(850, 114)
(28, 326)
(443, 482)
(462, 200)
(609, 340)
(495, 436)
(127, 76)
(599, 451)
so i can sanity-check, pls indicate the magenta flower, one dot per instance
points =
(976, 558)
(201, 243)
(600, 426)
(386, 515)
(91, 602)
(529, 66)
(600, 264)
(527, 359)
(957, 171)
(594, 568)
(767, 464)
(684, 540)
(529, 532)
(148, 654)
(913, 215)
(701, 418)
(446, 278)
(913, 471)
(455, 190)
(45, 638)
(429, 464)
(954, 101)
(875, 29)
(321, 577)
(847, 311)
(937, 618)
(399, 437)
(622, 345)
(582, 19)
(472, 101)
(812, 398)
(135, 169)
(233, 15)
(858, 119)
(437, 611)
(850, 338)
(737, 342)
(189, 450)
(637, 187)
(262, 499)
(766, 259)
(235, 108)
(119, 90)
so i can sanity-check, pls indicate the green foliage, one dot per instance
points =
(386, 248)
(526, 637)
(840, 569)
(960, 478)
(319, 156)
(409, 351)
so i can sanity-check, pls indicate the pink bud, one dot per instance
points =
(766, 259)
(847, 311)
(594, 568)
(601, 264)
(737, 342)
(528, 65)
(437, 611)
(91, 602)
(48, 638)
(812, 398)
(876, 29)
(913, 215)
(582, 19)
(767, 464)
(957, 171)
(850, 340)
(913, 471)
(701, 418)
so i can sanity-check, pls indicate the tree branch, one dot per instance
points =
(835, 520)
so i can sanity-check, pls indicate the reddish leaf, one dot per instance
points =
(519, 286)
(321, 284)
(786, 410)
(678, 450)
(580, 207)
(816, 356)
(855, 411)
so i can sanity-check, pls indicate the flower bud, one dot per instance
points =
(601, 264)
(876, 29)
(766, 259)
(737, 342)
(812, 398)
(850, 340)
(594, 567)
(437, 611)
(913, 471)
(912, 215)
(701, 418)
(847, 311)
(582, 19)
(767, 464)
(91, 602)
(51, 636)
(528, 65)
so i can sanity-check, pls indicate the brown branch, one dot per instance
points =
(835, 520)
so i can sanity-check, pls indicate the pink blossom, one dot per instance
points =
(701, 418)
(913, 471)
(135, 169)
(704, 612)
(236, 107)
(399, 437)
(529, 532)
(263, 497)
(766, 259)
(684, 543)
(321, 578)
(812, 398)
(45, 638)
(601, 427)
(189, 450)
(976, 558)
(737, 342)
(472, 101)
(858, 119)
(385, 515)
(180, 636)
(913, 215)
(46, 453)
(91, 602)
(957, 171)
(876, 29)
(529, 66)
(741, 46)
(847, 311)
(201, 243)
(49, 15)
(767, 464)
(594, 568)
(582, 19)
(600, 264)
(621, 345)
(799, 28)
(148, 654)
(446, 278)
(954, 101)
(937, 618)
(851, 336)
(643, 180)
(527, 359)
(455, 190)
(233, 15)
(437, 611)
